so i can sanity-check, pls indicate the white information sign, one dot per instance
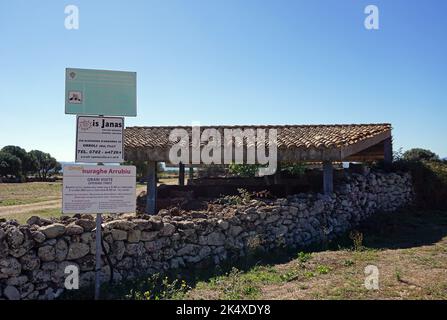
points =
(98, 189)
(99, 139)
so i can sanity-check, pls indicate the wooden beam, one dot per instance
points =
(151, 194)
(328, 177)
(181, 174)
(364, 144)
(388, 151)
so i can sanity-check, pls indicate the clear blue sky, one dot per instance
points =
(230, 62)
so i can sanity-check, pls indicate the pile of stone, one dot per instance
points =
(33, 257)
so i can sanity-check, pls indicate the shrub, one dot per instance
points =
(295, 169)
(244, 196)
(429, 182)
(303, 257)
(321, 269)
(418, 154)
(243, 170)
(357, 239)
(157, 287)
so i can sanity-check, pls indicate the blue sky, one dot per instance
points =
(230, 62)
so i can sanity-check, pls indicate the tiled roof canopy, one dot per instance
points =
(350, 142)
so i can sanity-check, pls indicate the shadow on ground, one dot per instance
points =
(406, 229)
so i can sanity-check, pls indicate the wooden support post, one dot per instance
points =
(328, 177)
(191, 173)
(388, 152)
(181, 174)
(151, 198)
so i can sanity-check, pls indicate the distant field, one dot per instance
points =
(22, 200)
(12, 194)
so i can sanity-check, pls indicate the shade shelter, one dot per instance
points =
(295, 143)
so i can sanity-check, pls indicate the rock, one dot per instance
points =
(119, 235)
(125, 264)
(53, 230)
(61, 250)
(235, 230)
(135, 249)
(271, 218)
(93, 247)
(87, 263)
(9, 267)
(26, 290)
(49, 266)
(204, 252)
(167, 230)
(4, 249)
(87, 237)
(148, 235)
(142, 224)
(134, 236)
(38, 236)
(11, 293)
(30, 262)
(120, 224)
(2, 234)
(157, 224)
(14, 238)
(118, 250)
(188, 249)
(34, 220)
(151, 246)
(40, 277)
(17, 281)
(185, 224)
(77, 250)
(73, 229)
(223, 224)
(293, 210)
(46, 253)
(177, 263)
(86, 224)
(213, 239)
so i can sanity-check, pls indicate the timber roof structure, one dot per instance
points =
(311, 143)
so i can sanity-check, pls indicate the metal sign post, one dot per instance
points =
(98, 256)
(99, 139)
(98, 252)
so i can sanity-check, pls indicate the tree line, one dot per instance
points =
(18, 163)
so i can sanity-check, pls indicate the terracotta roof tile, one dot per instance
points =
(289, 136)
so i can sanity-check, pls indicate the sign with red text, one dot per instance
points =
(99, 139)
(98, 189)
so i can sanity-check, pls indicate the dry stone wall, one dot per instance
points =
(33, 257)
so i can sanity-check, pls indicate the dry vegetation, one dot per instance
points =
(410, 251)
(12, 194)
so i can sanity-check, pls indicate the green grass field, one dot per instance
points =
(12, 194)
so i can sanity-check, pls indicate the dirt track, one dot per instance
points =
(24, 208)
(43, 205)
